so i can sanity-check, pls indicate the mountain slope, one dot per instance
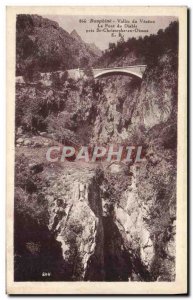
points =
(76, 36)
(94, 49)
(91, 46)
(142, 50)
(42, 44)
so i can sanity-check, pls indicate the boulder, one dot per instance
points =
(36, 168)
(43, 133)
(19, 130)
(37, 145)
(27, 143)
(115, 168)
(46, 144)
(20, 141)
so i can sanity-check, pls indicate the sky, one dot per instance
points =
(139, 27)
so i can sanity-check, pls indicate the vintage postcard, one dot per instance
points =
(96, 150)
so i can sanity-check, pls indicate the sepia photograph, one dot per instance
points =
(96, 112)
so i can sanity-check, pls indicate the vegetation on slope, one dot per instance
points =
(140, 50)
(44, 46)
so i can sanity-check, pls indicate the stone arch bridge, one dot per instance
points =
(136, 71)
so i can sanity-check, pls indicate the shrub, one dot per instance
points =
(31, 73)
(58, 79)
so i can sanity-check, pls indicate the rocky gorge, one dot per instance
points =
(97, 221)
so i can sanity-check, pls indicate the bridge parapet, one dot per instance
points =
(137, 70)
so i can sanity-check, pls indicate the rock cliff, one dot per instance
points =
(42, 45)
(98, 221)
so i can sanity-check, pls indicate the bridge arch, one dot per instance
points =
(117, 72)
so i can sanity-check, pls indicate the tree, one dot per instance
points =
(88, 71)
(58, 79)
(31, 73)
(84, 62)
(111, 46)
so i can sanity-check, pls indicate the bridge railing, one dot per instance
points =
(126, 67)
(112, 68)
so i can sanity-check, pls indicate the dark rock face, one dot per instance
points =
(37, 252)
(117, 260)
